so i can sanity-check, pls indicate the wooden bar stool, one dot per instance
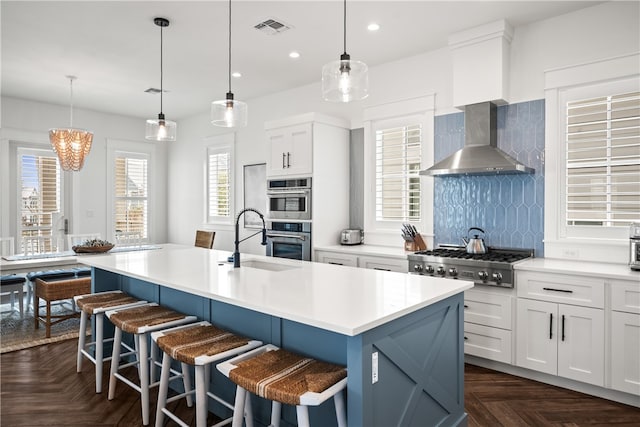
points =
(54, 290)
(284, 377)
(140, 321)
(199, 345)
(96, 305)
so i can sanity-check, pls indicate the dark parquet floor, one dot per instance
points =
(40, 387)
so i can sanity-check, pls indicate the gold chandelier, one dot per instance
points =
(71, 145)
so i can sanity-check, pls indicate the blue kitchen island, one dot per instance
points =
(400, 335)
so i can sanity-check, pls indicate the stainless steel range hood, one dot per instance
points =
(480, 154)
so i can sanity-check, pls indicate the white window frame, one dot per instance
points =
(135, 150)
(220, 144)
(606, 77)
(418, 110)
(10, 140)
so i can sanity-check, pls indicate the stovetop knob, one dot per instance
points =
(417, 268)
(429, 269)
(453, 272)
(483, 275)
(440, 271)
(497, 277)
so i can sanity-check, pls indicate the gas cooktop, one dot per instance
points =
(494, 268)
(493, 254)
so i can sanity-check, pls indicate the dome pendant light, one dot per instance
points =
(229, 112)
(345, 80)
(71, 145)
(161, 129)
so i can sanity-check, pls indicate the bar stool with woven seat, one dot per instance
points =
(199, 345)
(285, 377)
(140, 321)
(96, 305)
(56, 289)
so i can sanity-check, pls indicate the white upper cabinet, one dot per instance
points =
(290, 151)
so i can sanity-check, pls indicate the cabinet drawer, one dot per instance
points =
(625, 296)
(488, 309)
(575, 290)
(490, 343)
(386, 264)
(337, 259)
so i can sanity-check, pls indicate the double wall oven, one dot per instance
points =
(289, 227)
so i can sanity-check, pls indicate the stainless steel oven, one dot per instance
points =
(289, 198)
(289, 240)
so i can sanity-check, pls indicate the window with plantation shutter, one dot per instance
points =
(40, 201)
(603, 160)
(131, 194)
(397, 184)
(218, 184)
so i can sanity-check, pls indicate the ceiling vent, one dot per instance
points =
(272, 26)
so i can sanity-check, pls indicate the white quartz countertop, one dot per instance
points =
(592, 269)
(371, 250)
(346, 300)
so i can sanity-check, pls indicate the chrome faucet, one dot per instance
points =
(236, 254)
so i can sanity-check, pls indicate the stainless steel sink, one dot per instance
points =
(263, 265)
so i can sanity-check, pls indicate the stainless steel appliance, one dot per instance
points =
(494, 268)
(634, 246)
(289, 240)
(352, 237)
(289, 198)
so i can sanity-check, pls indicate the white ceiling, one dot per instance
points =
(114, 47)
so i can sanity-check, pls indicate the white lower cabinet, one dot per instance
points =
(363, 261)
(487, 324)
(560, 339)
(625, 337)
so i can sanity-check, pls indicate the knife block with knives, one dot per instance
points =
(413, 241)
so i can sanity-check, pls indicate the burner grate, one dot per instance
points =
(492, 255)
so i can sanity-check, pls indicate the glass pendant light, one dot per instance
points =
(229, 112)
(345, 80)
(161, 129)
(71, 145)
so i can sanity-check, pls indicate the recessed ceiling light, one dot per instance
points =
(294, 55)
(236, 74)
(373, 27)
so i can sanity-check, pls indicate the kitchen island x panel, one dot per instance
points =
(410, 326)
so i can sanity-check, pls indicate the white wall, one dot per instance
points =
(601, 31)
(29, 121)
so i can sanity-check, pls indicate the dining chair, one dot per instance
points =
(204, 239)
(7, 246)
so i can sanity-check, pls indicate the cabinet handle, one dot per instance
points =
(283, 164)
(550, 325)
(465, 338)
(563, 327)
(567, 291)
(465, 306)
(335, 263)
(381, 269)
(288, 159)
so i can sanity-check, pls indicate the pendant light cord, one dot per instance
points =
(229, 45)
(71, 102)
(161, 71)
(345, 26)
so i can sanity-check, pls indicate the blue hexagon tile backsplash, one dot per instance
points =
(509, 208)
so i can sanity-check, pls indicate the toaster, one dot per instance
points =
(352, 237)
